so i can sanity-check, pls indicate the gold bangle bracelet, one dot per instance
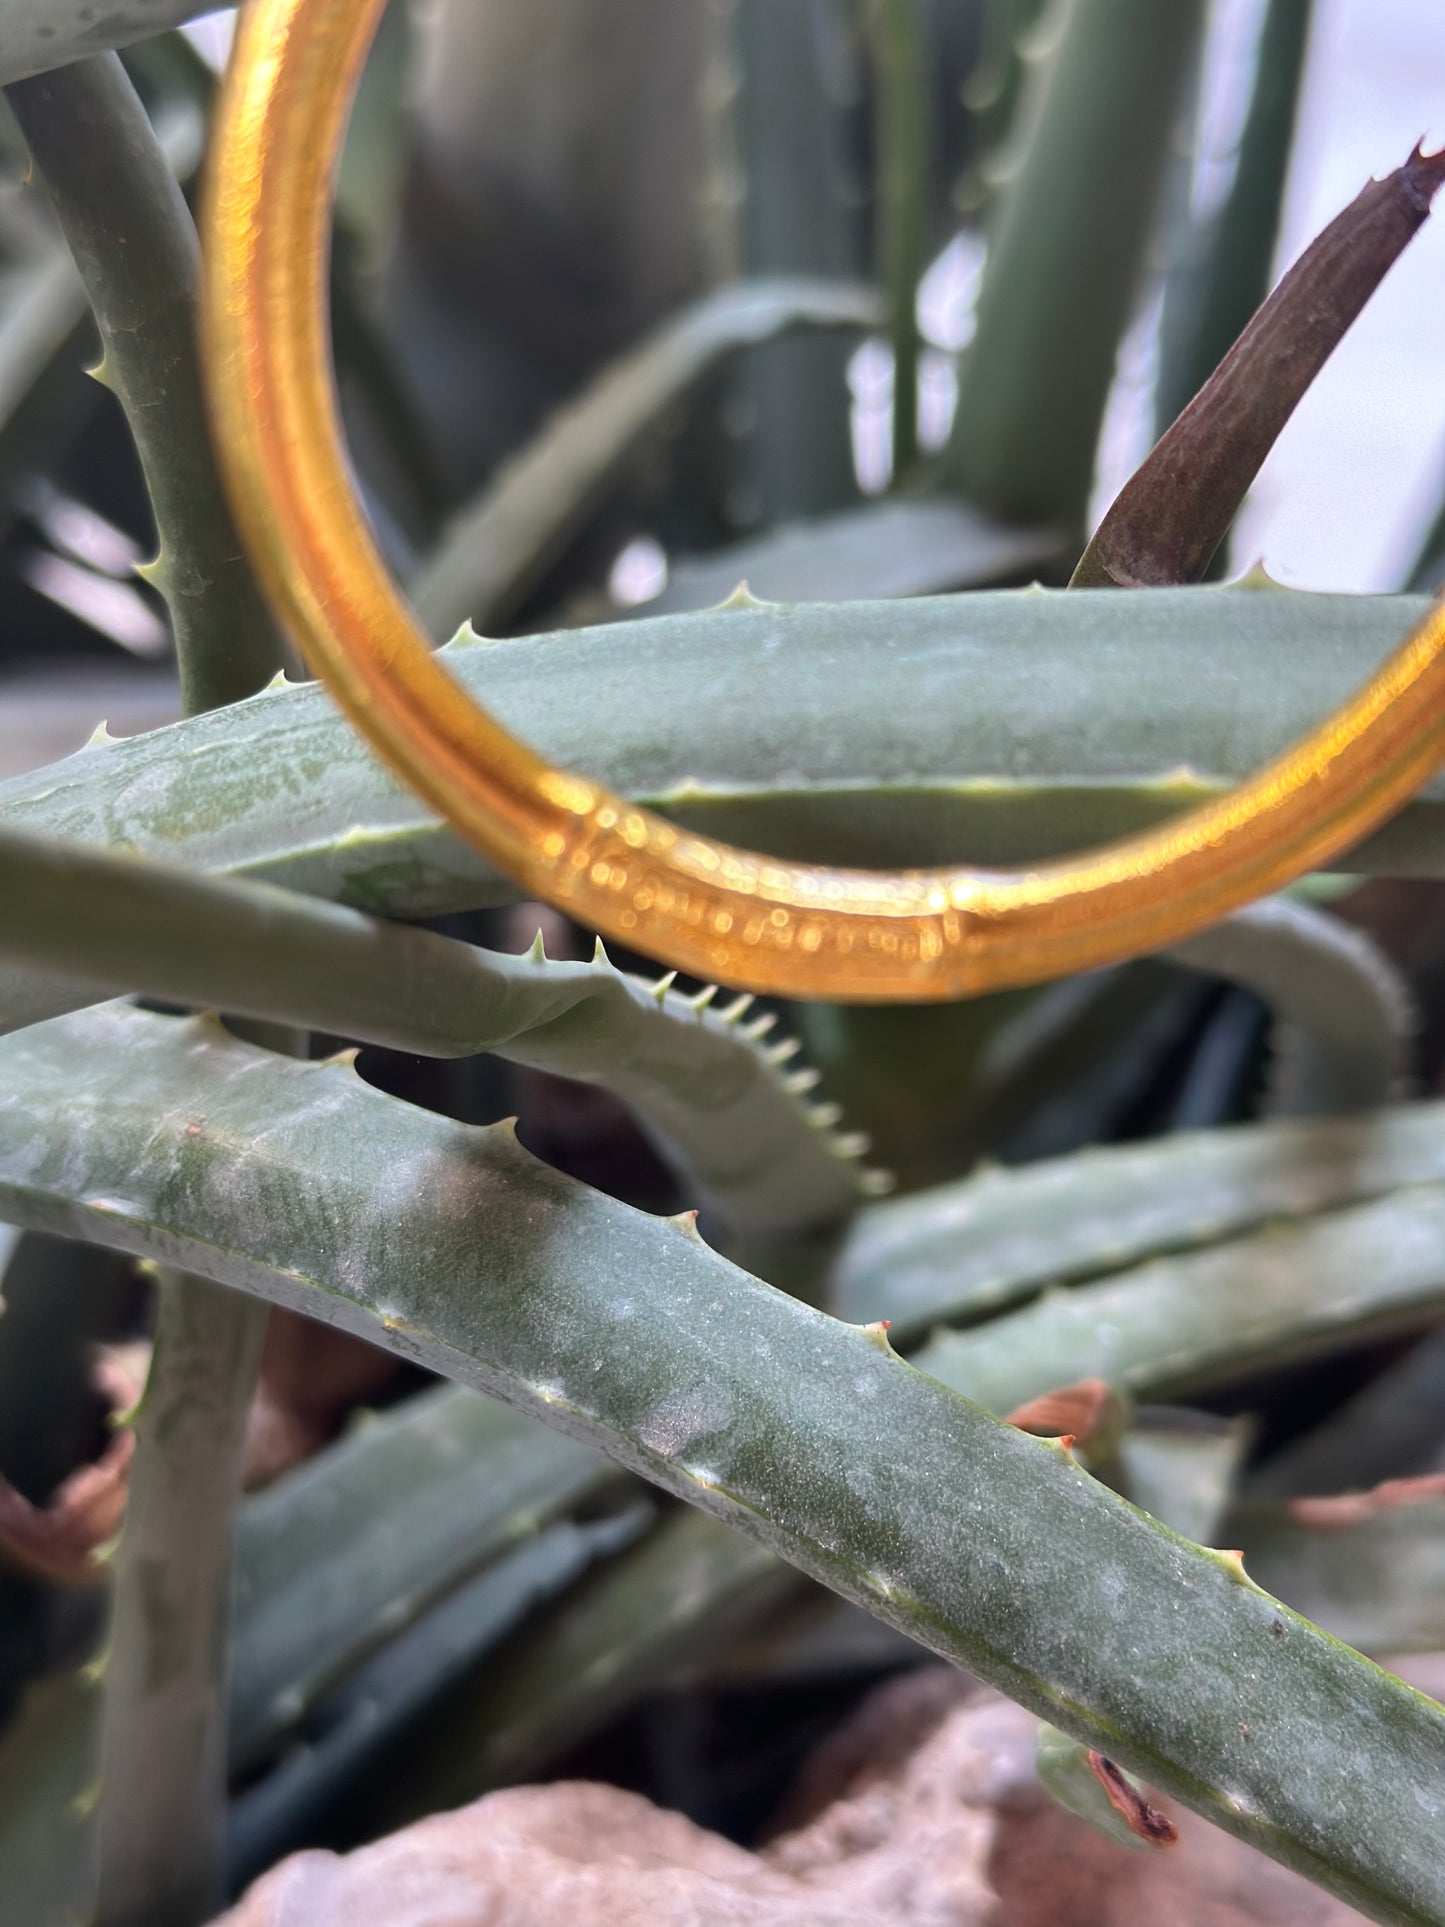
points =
(751, 921)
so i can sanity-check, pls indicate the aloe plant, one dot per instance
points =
(668, 1425)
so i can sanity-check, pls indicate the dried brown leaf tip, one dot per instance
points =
(63, 1541)
(1073, 1411)
(1174, 512)
(1357, 1508)
(1145, 1822)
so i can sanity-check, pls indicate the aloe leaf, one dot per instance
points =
(1017, 724)
(1224, 274)
(967, 1250)
(160, 1824)
(342, 1555)
(49, 1773)
(1373, 1575)
(1391, 1429)
(1202, 1318)
(903, 139)
(883, 549)
(125, 219)
(498, 549)
(36, 35)
(365, 1721)
(1180, 1467)
(668, 1602)
(1170, 517)
(164, 1757)
(1343, 1011)
(1067, 238)
(722, 1097)
(790, 80)
(453, 1247)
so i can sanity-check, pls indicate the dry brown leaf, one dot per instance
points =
(1354, 1508)
(1073, 1411)
(61, 1541)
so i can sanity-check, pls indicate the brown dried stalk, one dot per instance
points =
(1173, 513)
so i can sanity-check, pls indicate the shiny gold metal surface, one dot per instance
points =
(717, 912)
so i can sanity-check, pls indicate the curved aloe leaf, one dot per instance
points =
(894, 548)
(1208, 1317)
(453, 1247)
(1008, 725)
(1210, 294)
(499, 548)
(688, 1586)
(125, 219)
(1067, 238)
(725, 1102)
(36, 35)
(964, 1251)
(339, 1557)
(1342, 1011)
(1373, 1574)
(360, 1725)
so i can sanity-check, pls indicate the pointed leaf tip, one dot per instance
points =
(537, 949)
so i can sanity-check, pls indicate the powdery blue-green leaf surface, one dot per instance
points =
(455, 1248)
(964, 1251)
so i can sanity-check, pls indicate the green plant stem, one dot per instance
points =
(720, 1096)
(902, 142)
(1067, 241)
(122, 212)
(162, 1806)
(164, 1753)
(453, 1247)
(498, 549)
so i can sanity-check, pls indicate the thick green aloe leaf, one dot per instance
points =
(499, 548)
(967, 1250)
(997, 727)
(360, 1725)
(340, 1556)
(1376, 1579)
(722, 1099)
(36, 35)
(884, 549)
(1068, 240)
(1209, 1317)
(453, 1247)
